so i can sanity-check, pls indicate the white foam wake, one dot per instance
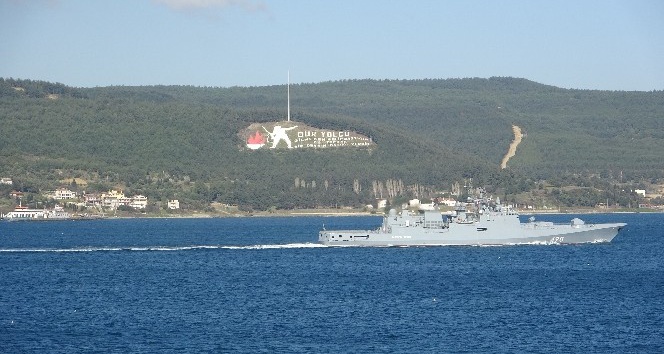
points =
(162, 248)
(278, 246)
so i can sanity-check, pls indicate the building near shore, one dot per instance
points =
(173, 204)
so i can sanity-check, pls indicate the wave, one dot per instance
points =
(161, 248)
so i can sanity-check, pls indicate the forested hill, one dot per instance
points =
(428, 134)
(568, 130)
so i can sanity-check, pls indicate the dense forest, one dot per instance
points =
(182, 142)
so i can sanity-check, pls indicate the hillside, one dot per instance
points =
(572, 130)
(181, 141)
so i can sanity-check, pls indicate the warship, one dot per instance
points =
(488, 224)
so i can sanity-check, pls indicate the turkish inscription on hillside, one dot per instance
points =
(295, 135)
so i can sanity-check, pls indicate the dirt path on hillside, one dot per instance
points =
(512, 149)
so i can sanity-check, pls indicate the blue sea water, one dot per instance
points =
(262, 285)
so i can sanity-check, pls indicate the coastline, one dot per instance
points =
(340, 213)
(318, 214)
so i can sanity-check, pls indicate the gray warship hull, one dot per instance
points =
(502, 228)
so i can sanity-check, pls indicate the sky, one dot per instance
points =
(589, 44)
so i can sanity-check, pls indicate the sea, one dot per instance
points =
(263, 285)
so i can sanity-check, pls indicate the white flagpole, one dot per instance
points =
(288, 88)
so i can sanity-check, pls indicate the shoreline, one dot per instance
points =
(299, 213)
(322, 214)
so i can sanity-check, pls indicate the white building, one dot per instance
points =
(7, 181)
(173, 204)
(427, 206)
(112, 199)
(447, 202)
(92, 199)
(139, 202)
(63, 193)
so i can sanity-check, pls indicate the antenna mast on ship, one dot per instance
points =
(288, 88)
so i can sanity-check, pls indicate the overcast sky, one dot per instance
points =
(589, 44)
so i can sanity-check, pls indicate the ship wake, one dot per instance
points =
(162, 248)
